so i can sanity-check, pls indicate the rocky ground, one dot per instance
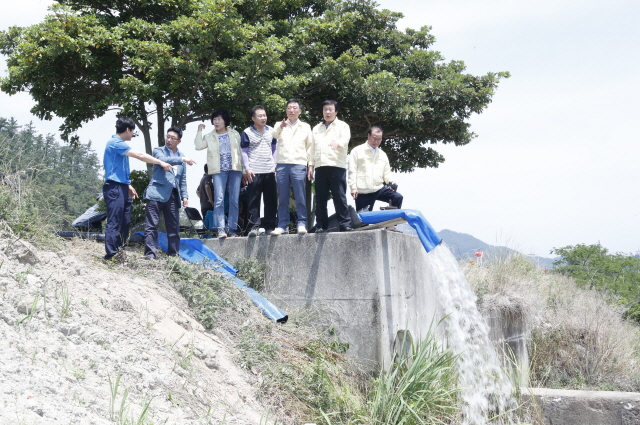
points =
(83, 342)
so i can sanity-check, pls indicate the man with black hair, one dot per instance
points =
(117, 189)
(167, 190)
(331, 142)
(294, 166)
(258, 157)
(370, 174)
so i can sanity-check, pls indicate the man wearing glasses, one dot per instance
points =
(117, 189)
(167, 190)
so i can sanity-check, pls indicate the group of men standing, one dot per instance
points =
(275, 161)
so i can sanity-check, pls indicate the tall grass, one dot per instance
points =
(578, 340)
(421, 388)
(21, 210)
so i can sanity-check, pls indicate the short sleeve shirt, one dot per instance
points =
(116, 163)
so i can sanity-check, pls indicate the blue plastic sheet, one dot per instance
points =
(194, 251)
(426, 233)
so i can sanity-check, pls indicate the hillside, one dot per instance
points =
(88, 343)
(463, 246)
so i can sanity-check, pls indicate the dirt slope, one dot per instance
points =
(69, 324)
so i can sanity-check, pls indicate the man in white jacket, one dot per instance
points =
(294, 164)
(331, 142)
(370, 174)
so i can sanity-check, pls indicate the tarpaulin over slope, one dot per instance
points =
(194, 251)
(426, 233)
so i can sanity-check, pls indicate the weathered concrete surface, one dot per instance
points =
(568, 407)
(509, 333)
(389, 289)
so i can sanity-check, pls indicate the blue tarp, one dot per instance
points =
(426, 233)
(194, 251)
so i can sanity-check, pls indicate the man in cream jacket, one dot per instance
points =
(331, 142)
(370, 174)
(294, 165)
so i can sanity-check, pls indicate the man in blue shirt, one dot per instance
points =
(117, 189)
(166, 191)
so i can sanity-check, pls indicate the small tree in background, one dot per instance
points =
(593, 267)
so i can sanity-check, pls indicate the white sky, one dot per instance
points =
(555, 161)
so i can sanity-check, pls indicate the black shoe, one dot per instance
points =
(346, 229)
(320, 230)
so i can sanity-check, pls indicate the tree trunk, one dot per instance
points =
(146, 132)
(160, 118)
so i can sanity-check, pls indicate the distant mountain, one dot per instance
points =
(464, 246)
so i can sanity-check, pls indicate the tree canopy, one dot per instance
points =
(595, 268)
(178, 60)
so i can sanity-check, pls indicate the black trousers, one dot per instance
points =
(263, 186)
(384, 194)
(332, 179)
(171, 212)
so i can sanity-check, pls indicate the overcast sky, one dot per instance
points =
(556, 159)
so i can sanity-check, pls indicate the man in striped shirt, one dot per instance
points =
(258, 156)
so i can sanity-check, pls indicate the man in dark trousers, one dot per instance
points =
(167, 190)
(117, 189)
(331, 142)
(258, 156)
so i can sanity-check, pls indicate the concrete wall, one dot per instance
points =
(368, 301)
(567, 407)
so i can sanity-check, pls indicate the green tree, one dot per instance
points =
(66, 177)
(178, 60)
(593, 267)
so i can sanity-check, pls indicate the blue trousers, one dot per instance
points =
(384, 194)
(116, 197)
(220, 182)
(291, 176)
(171, 212)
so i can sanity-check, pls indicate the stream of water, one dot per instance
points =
(485, 390)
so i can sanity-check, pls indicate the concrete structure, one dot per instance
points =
(509, 333)
(568, 407)
(387, 295)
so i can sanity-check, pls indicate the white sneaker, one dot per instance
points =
(302, 230)
(277, 231)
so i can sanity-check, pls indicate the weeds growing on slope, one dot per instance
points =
(577, 339)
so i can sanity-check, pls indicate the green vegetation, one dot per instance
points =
(616, 275)
(578, 340)
(180, 60)
(43, 183)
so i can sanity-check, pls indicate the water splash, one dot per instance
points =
(484, 388)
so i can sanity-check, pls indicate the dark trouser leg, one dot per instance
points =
(151, 219)
(322, 196)
(270, 198)
(116, 196)
(388, 195)
(254, 191)
(171, 211)
(338, 186)
(365, 200)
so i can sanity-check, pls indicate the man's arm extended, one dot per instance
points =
(148, 159)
